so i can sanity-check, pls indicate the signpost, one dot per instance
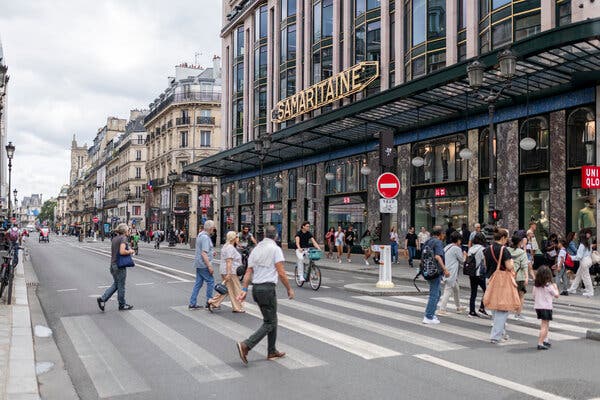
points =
(388, 185)
(95, 220)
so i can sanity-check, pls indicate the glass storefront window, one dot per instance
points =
(227, 221)
(247, 195)
(292, 182)
(246, 216)
(581, 137)
(435, 206)
(272, 215)
(268, 190)
(347, 176)
(442, 162)
(536, 159)
(227, 194)
(583, 201)
(484, 155)
(292, 220)
(346, 211)
(535, 206)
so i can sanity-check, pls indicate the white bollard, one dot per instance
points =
(385, 267)
(95, 236)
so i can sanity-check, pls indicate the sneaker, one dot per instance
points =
(564, 293)
(518, 317)
(430, 321)
(541, 347)
(587, 294)
(482, 311)
(339, 260)
(473, 315)
(505, 337)
(125, 307)
(276, 355)
(349, 260)
(194, 307)
(366, 262)
(494, 341)
(461, 310)
(547, 344)
(100, 303)
(572, 291)
(442, 312)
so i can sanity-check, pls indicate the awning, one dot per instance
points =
(552, 62)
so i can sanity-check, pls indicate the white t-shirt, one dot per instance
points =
(229, 251)
(339, 238)
(562, 256)
(394, 237)
(423, 237)
(263, 259)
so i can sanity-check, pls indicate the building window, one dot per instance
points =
(322, 57)
(292, 181)
(205, 113)
(432, 207)
(184, 139)
(269, 191)
(260, 23)
(237, 105)
(535, 203)
(182, 165)
(238, 41)
(581, 138)
(246, 194)
(563, 12)
(347, 176)
(484, 155)
(138, 172)
(288, 8)
(138, 155)
(136, 210)
(138, 192)
(140, 139)
(260, 62)
(535, 160)
(205, 138)
(441, 161)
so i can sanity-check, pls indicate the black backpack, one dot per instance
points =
(430, 269)
(470, 266)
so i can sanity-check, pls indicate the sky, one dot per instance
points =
(73, 63)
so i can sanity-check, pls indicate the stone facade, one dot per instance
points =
(558, 164)
(507, 183)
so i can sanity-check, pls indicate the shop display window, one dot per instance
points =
(535, 206)
(246, 216)
(227, 221)
(347, 176)
(247, 194)
(268, 190)
(292, 220)
(442, 162)
(227, 194)
(439, 206)
(292, 182)
(484, 155)
(583, 205)
(537, 159)
(347, 210)
(272, 215)
(581, 137)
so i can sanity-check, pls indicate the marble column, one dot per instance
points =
(473, 178)
(507, 183)
(301, 194)
(404, 198)
(257, 193)
(319, 205)
(285, 191)
(373, 216)
(558, 171)
(236, 207)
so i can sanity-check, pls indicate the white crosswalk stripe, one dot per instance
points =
(294, 359)
(198, 362)
(382, 329)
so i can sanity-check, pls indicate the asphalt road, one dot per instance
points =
(340, 345)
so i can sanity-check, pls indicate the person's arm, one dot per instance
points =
(406, 243)
(253, 240)
(555, 291)
(284, 279)
(441, 263)
(314, 242)
(245, 283)
(204, 255)
(124, 251)
(297, 240)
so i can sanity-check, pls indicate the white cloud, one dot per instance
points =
(74, 62)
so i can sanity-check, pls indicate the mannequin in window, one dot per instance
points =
(586, 218)
(543, 225)
(427, 164)
(445, 156)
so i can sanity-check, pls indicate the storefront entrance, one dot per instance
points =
(440, 206)
(345, 211)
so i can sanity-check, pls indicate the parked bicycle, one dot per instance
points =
(7, 271)
(312, 273)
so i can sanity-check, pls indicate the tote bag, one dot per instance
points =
(501, 293)
(125, 261)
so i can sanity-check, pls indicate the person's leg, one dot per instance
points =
(234, 288)
(300, 264)
(543, 332)
(587, 281)
(445, 296)
(264, 296)
(585, 263)
(412, 251)
(197, 286)
(112, 288)
(456, 291)
(482, 285)
(121, 277)
(348, 255)
(210, 283)
(218, 298)
(499, 325)
(473, 283)
(394, 249)
(434, 297)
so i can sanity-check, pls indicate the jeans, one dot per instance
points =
(562, 280)
(476, 281)
(202, 275)
(498, 330)
(412, 252)
(265, 296)
(119, 275)
(300, 263)
(394, 251)
(434, 297)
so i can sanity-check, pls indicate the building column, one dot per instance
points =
(193, 216)
(558, 172)
(473, 177)
(319, 204)
(472, 28)
(451, 36)
(373, 216)
(257, 202)
(548, 14)
(285, 191)
(404, 198)
(301, 194)
(507, 174)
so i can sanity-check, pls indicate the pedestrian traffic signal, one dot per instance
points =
(495, 215)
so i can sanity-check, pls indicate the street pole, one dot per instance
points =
(492, 167)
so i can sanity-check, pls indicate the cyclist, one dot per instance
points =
(135, 239)
(247, 240)
(304, 239)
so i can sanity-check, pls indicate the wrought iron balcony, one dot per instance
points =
(205, 120)
(182, 121)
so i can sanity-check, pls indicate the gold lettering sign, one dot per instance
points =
(343, 84)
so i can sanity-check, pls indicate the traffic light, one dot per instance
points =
(495, 215)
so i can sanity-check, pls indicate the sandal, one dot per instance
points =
(240, 311)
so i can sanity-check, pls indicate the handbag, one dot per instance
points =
(125, 261)
(501, 293)
(220, 288)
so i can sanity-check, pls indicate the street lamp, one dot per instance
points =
(101, 201)
(475, 71)
(262, 145)
(15, 193)
(10, 152)
(171, 178)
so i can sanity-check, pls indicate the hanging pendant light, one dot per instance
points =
(418, 161)
(365, 170)
(329, 176)
(302, 181)
(241, 190)
(465, 154)
(278, 184)
(527, 144)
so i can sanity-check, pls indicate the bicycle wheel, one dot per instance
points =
(315, 277)
(299, 283)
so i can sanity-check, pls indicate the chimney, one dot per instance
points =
(216, 67)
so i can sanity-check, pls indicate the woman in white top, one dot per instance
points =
(231, 259)
(584, 256)
(339, 242)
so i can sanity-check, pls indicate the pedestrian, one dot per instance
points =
(562, 279)
(330, 239)
(231, 259)
(449, 232)
(265, 266)
(454, 258)
(437, 246)
(500, 297)
(532, 239)
(423, 237)
(466, 236)
(394, 244)
(477, 279)
(118, 247)
(522, 265)
(365, 243)
(350, 237)
(543, 293)
(584, 256)
(203, 265)
(477, 230)
(339, 243)
(550, 249)
(411, 244)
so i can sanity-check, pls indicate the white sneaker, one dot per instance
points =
(339, 260)
(588, 294)
(461, 310)
(432, 321)
(366, 262)
(572, 291)
(349, 260)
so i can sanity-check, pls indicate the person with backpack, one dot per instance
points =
(475, 268)
(522, 265)
(454, 258)
(433, 268)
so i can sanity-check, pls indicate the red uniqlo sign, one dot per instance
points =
(388, 185)
(590, 177)
(440, 192)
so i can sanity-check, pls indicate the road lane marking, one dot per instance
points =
(144, 284)
(517, 387)
(183, 281)
(445, 328)
(66, 290)
(198, 362)
(340, 340)
(110, 373)
(294, 358)
(375, 327)
(103, 286)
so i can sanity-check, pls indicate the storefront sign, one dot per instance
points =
(388, 185)
(346, 200)
(440, 192)
(590, 177)
(388, 206)
(336, 87)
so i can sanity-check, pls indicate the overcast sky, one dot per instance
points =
(72, 63)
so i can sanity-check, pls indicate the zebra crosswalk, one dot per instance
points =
(362, 328)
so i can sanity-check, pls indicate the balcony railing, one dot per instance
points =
(208, 97)
(205, 120)
(182, 121)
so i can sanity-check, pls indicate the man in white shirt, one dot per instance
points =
(265, 266)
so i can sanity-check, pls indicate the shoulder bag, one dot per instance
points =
(501, 293)
(124, 261)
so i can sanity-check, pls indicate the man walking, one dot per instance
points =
(435, 245)
(265, 265)
(203, 264)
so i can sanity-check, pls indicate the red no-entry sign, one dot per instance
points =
(388, 185)
(95, 220)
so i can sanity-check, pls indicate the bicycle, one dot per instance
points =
(312, 273)
(7, 272)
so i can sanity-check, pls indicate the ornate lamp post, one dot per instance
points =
(101, 203)
(127, 198)
(262, 145)
(507, 62)
(16, 210)
(10, 152)
(171, 178)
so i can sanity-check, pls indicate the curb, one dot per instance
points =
(593, 334)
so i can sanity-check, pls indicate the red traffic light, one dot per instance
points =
(495, 215)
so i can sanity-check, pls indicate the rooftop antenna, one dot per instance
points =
(196, 57)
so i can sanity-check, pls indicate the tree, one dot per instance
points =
(47, 213)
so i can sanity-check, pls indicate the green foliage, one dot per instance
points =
(47, 213)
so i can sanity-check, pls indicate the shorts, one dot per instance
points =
(521, 287)
(544, 315)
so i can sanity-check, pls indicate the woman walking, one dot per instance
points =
(394, 243)
(454, 257)
(584, 256)
(118, 247)
(330, 239)
(477, 279)
(521, 264)
(365, 242)
(231, 259)
(339, 243)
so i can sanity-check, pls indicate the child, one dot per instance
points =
(543, 292)
(561, 269)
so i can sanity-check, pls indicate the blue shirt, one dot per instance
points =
(203, 244)
(437, 246)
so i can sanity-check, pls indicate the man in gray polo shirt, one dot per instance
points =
(203, 264)
(265, 265)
